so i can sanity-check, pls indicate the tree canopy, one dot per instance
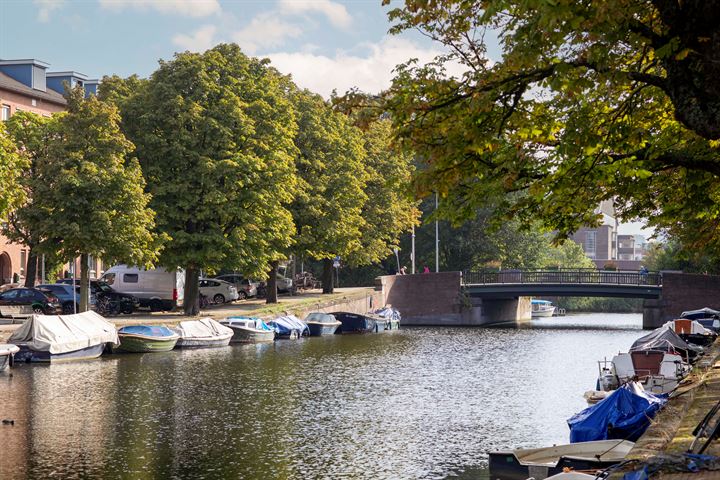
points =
(590, 101)
(12, 164)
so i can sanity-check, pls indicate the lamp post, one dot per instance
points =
(413, 249)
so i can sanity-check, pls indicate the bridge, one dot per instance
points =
(499, 298)
(562, 283)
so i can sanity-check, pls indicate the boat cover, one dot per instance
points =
(665, 340)
(625, 414)
(286, 324)
(256, 323)
(65, 333)
(701, 313)
(388, 312)
(148, 331)
(319, 317)
(203, 328)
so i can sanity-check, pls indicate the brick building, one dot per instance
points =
(26, 85)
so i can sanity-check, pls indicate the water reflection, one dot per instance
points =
(416, 403)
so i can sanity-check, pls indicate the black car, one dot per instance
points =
(23, 302)
(108, 301)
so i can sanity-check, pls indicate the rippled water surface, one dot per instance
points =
(415, 403)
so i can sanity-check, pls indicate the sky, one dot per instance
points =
(325, 45)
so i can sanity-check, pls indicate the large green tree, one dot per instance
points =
(12, 165)
(33, 134)
(214, 134)
(331, 176)
(91, 200)
(589, 101)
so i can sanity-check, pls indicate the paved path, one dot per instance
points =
(306, 300)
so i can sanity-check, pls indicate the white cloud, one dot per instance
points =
(336, 13)
(266, 30)
(371, 73)
(189, 8)
(199, 41)
(45, 7)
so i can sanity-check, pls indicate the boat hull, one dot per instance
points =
(33, 356)
(543, 313)
(143, 344)
(190, 342)
(5, 361)
(697, 338)
(354, 323)
(504, 466)
(247, 335)
(319, 329)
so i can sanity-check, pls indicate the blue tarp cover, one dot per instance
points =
(624, 414)
(288, 323)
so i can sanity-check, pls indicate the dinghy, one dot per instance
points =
(59, 338)
(248, 330)
(289, 326)
(355, 322)
(321, 324)
(521, 464)
(390, 315)
(146, 339)
(202, 333)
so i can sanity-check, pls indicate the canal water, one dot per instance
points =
(416, 403)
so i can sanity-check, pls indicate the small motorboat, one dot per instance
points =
(664, 339)
(289, 326)
(541, 308)
(7, 355)
(707, 317)
(657, 371)
(146, 339)
(61, 338)
(524, 463)
(390, 315)
(624, 415)
(355, 322)
(692, 331)
(202, 333)
(321, 324)
(248, 330)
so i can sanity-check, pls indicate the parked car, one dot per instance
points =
(246, 288)
(105, 298)
(65, 293)
(284, 285)
(157, 288)
(219, 291)
(23, 302)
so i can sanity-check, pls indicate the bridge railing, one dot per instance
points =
(581, 276)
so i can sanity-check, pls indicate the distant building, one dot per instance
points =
(26, 85)
(632, 247)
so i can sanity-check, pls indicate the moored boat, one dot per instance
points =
(541, 308)
(146, 339)
(59, 338)
(321, 324)
(521, 464)
(666, 340)
(248, 330)
(390, 315)
(202, 333)
(355, 322)
(657, 371)
(7, 354)
(692, 331)
(289, 326)
(707, 317)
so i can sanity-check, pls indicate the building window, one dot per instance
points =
(5, 113)
(591, 243)
(23, 261)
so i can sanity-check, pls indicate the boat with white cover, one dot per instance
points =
(7, 353)
(202, 333)
(541, 463)
(59, 338)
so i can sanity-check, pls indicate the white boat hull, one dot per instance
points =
(546, 312)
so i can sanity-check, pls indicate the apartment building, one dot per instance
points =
(27, 85)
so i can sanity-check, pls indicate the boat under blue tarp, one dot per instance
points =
(624, 414)
(289, 326)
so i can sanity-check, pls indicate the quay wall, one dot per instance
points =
(681, 292)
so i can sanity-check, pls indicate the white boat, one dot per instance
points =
(202, 333)
(248, 330)
(523, 463)
(542, 308)
(7, 352)
(656, 371)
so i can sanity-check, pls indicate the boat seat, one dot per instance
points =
(683, 326)
(647, 363)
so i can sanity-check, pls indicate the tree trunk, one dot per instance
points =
(272, 296)
(327, 276)
(191, 300)
(31, 268)
(84, 281)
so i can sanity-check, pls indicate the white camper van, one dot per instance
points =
(157, 288)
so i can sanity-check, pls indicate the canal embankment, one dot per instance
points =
(351, 299)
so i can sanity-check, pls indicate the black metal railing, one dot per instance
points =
(580, 276)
